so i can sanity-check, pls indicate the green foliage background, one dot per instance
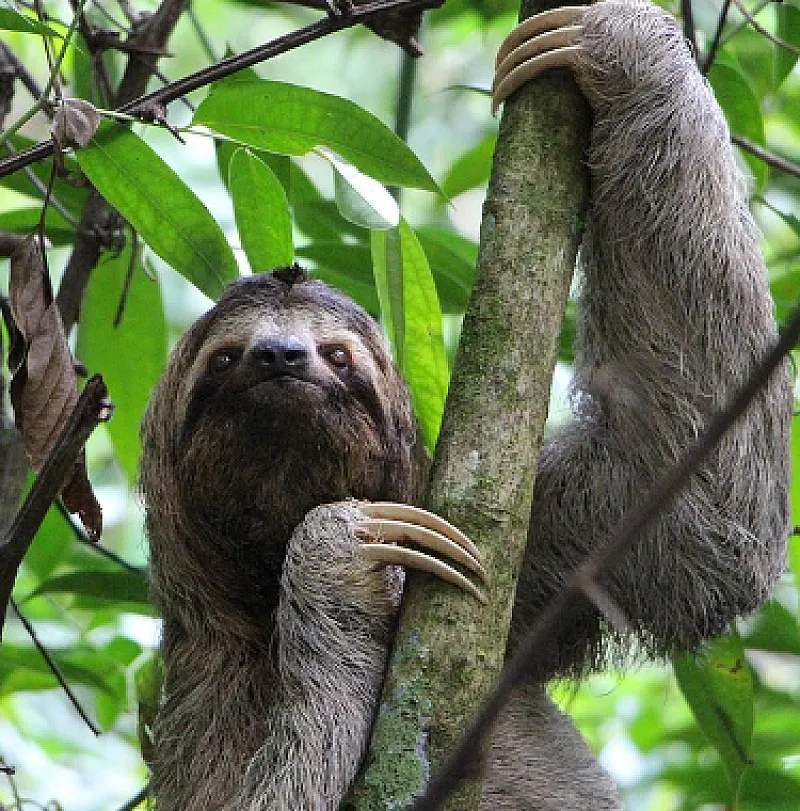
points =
(735, 744)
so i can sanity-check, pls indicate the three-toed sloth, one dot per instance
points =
(281, 418)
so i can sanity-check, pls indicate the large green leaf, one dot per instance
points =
(24, 669)
(262, 212)
(452, 259)
(25, 220)
(292, 120)
(410, 305)
(741, 108)
(788, 30)
(160, 206)
(119, 586)
(13, 21)
(471, 168)
(130, 356)
(718, 685)
(50, 545)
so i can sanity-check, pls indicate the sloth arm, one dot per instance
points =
(339, 592)
(674, 311)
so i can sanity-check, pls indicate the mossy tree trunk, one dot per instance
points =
(449, 649)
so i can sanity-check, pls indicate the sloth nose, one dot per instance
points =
(280, 356)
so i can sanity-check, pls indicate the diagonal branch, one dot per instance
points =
(226, 67)
(596, 567)
(92, 408)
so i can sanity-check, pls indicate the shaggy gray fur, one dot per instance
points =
(674, 312)
(276, 629)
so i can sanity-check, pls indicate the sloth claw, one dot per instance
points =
(540, 43)
(388, 525)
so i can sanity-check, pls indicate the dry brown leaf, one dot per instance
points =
(74, 123)
(44, 387)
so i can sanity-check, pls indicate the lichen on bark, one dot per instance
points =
(449, 649)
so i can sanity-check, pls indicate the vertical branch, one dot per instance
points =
(405, 99)
(689, 31)
(449, 650)
(98, 217)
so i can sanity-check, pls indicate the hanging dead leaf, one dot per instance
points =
(74, 123)
(44, 387)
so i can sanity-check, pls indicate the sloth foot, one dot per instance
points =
(540, 43)
(389, 525)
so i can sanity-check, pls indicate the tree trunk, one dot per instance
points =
(449, 649)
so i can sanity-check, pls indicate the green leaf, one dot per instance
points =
(118, 586)
(408, 295)
(160, 206)
(742, 110)
(13, 21)
(765, 789)
(50, 544)
(774, 628)
(292, 120)
(23, 669)
(452, 259)
(471, 169)
(387, 268)
(71, 197)
(347, 267)
(360, 199)
(130, 356)
(718, 686)
(262, 212)
(25, 220)
(788, 29)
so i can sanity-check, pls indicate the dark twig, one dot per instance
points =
(558, 611)
(774, 38)
(54, 668)
(20, 71)
(136, 800)
(405, 98)
(226, 67)
(83, 537)
(770, 158)
(92, 408)
(689, 31)
(98, 220)
(717, 40)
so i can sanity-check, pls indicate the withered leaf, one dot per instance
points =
(74, 123)
(44, 387)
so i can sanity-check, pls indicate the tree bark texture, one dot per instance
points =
(449, 649)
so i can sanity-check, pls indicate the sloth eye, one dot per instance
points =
(337, 356)
(222, 360)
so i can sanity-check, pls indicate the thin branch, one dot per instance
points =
(740, 24)
(54, 668)
(226, 67)
(21, 72)
(716, 41)
(83, 537)
(136, 800)
(770, 158)
(405, 98)
(774, 38)
(689, 31)
(571, 598)
(91, 409)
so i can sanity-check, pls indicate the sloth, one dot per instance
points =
(281, 465)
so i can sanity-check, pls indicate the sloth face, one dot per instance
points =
(292, 361)
(283, 392)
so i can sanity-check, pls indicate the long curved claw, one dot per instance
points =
(393, 524)
(540, 43)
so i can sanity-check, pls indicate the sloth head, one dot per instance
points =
(282, 397)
